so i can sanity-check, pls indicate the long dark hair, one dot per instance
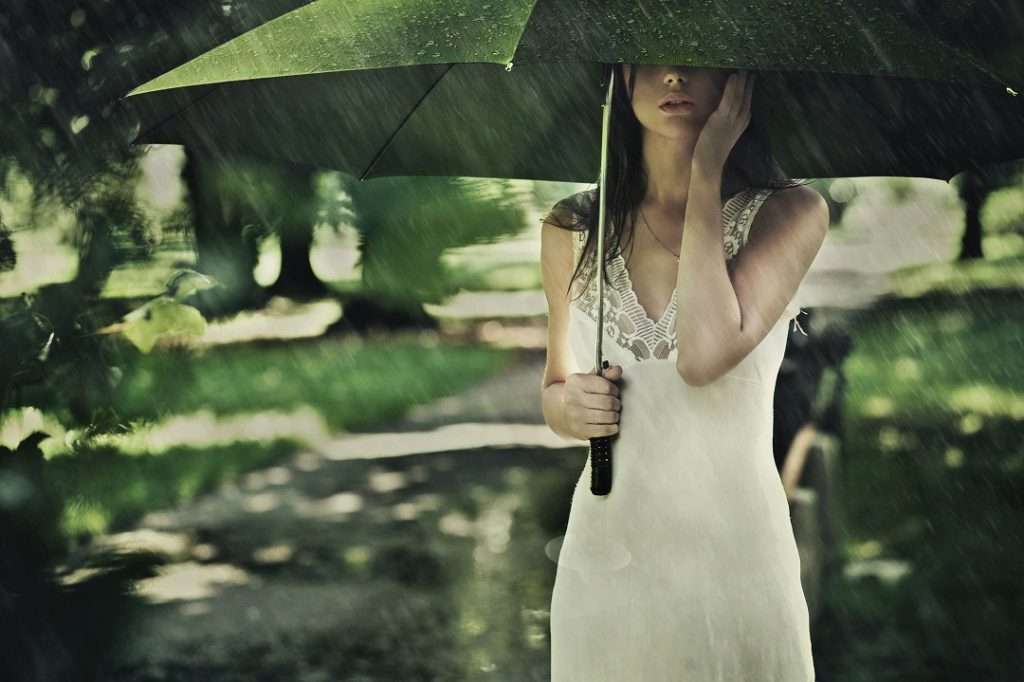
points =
(751, 165)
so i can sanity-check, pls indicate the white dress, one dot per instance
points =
(688, 570)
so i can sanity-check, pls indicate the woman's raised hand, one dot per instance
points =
(592, 404)
(726, 124)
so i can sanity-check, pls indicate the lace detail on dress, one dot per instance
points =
(625, 320)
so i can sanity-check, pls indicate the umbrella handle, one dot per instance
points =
(601, 447)
(601, 461)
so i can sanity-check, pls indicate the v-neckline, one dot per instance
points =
(672, 302)
(635, 301)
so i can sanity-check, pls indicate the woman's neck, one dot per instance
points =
(667, 162)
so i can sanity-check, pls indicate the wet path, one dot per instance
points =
(421, 552)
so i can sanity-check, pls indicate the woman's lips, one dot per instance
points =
(675, 107)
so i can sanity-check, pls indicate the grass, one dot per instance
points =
(106, 491)
(1002, 269)
(355, 385)
(933, 476)
(110, 482)
(505, 277)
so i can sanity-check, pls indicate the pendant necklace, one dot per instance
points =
(674, 254)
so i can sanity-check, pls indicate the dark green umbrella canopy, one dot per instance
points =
(513, 88)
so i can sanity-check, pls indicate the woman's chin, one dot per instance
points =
(676, 128)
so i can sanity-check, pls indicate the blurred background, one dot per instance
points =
(264, 423)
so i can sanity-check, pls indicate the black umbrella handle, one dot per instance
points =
(601, 461)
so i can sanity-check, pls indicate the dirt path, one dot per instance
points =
(296, 570)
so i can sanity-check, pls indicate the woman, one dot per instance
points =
(688, 569)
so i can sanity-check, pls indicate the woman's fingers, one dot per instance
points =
(602, 417)
(740, 102)
(599, 401)
(604, 384)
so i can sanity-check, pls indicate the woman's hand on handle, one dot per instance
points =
(592, 404)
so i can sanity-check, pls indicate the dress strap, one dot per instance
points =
(746, 217)
(738, 216)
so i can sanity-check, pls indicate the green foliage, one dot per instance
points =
(163, 316)
(106, 490)
(406, 224)
(1004, 210)
(8, 257)
(933, 471)
(267, 192)
(355, 387)
(160, 318)
(507, 277)
(351, 383)
(900, 188)
(1001, 270)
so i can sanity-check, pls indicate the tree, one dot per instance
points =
(405, 224)
(295, 231)
(974, 186)
(990, 29)
(225, 224)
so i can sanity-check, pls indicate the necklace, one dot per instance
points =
(674, 254)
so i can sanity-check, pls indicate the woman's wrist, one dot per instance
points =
(553, 407)
(705, 176)
(705, 166)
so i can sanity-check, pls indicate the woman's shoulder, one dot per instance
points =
(571, 212)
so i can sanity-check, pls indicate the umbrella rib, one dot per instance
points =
(167, 118)
(387, 143)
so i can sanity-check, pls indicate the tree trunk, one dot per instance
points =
(372, 309)
(973, 192)
(224, 253)
(297, 279)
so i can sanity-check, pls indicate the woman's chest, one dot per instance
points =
(651, 276)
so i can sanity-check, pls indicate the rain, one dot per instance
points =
(292, 384)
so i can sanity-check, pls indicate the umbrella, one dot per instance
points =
(514, 88)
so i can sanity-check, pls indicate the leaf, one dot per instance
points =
(161, 317)
(186, 282)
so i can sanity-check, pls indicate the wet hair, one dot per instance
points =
(750, 165)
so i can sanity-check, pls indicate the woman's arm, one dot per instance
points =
(723, 315)
(707, 310)
(556, 258)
